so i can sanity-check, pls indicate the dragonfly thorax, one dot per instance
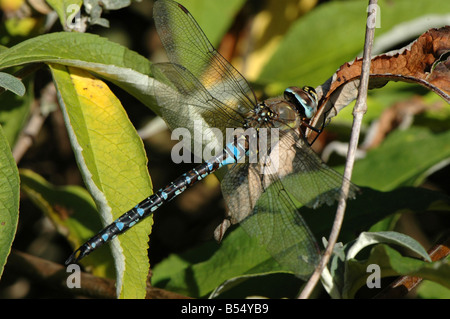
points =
(298, 105)
(273, 113)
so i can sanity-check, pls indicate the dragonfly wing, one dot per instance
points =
(187, 45)
(303, 174)
(263, 201)
(269, 215)
(241, 188)
(277, 223)
(185, 103)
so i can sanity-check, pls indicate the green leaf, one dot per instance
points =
(392, 263)
(431, 290)
(214, 17)
(270, 285)
(404, 159)
(333, 34)
(73, 212)
(371, 206)
(114, 62)
(198, 272)
(113, 163)
(389, 237)
(10, 82)
(339, 269)
(9, 200)
(14, 112)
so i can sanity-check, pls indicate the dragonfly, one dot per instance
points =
(271, 167)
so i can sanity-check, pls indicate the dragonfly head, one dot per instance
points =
(304, 99)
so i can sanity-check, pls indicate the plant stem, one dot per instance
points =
(358, 113)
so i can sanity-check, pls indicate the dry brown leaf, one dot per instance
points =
(426, 61)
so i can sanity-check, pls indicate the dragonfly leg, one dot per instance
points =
(317, 130)
(312, 128)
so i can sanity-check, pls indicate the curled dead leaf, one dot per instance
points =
(426, 61)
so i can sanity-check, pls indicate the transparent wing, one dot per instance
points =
(261, 197)
(185, 103)
(276, 221)
(303, 174)
(270, 216)
(241, 188)
(188, 46)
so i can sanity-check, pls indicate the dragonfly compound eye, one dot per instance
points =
(305, 100)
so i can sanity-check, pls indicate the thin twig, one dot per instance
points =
(29, 134)
(358, 112)
(34, 125)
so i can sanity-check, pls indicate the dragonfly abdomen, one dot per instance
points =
(230, 154)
